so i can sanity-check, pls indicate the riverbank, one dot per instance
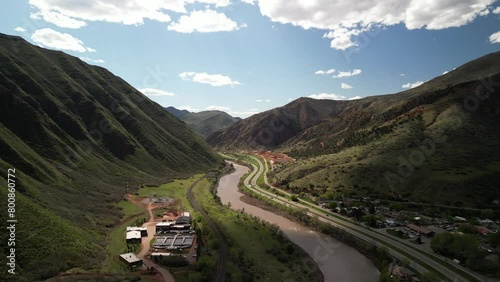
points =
(337, 261)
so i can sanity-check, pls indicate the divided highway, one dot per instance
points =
(396, 247)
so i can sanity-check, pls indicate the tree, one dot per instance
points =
(493, 239)
(397, 206)
(487, 214)
(357, 213)
(332, 205)
(371, 220)
(405, 262)
(328, 195)
(371, 209)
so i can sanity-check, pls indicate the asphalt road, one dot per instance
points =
(363, 233)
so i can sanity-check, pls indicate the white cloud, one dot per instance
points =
(87, 59)
(212, 79)
(345, 86)
(218, 108)
(47, 37)
(355, 98)
(74, 14)
(204, 21)
(412, 85)
(262, 100)
(327, 96)
(217, 3)
(251, 2)
(497, 10)
(495, 37)
(20, 29)
(348, 73)
(244, 114)
(344, 20)
(188, 108)
(402, 74)
(58, 19)
(321, 72)
(155, 92)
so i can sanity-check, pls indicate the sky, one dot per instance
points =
(248, 56)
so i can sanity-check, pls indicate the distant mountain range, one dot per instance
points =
(77, 135)
(205, 122)
(375, 146)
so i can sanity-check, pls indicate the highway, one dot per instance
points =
(395, 247)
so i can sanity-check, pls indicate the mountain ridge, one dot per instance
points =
(76, 135)
(205, 122)
(360, 142)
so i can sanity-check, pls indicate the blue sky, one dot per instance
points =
(246, 56)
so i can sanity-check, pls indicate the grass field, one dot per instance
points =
(117, 245)
(129, 209)
(255, 246)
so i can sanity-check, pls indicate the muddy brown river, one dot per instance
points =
(337, 261)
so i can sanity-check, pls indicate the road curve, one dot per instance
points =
(357, 231)
(220, 273)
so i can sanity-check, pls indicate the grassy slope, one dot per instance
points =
(462, 169)
(352, 147)
(255, 248)
(76, 134)
(207, 122)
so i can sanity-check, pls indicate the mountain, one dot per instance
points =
(204, 122)
(176, 112)
(435, 143)
(76, 135)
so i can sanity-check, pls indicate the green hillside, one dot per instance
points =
(375, 146)
(205, 122)
(76, 134)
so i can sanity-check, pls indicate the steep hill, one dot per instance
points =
(371, 146)
(204, 122)
(176, 112)
(76, 134)
(271, 128)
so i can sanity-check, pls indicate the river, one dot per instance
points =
(337, 261)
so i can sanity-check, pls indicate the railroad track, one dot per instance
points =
(220, 274)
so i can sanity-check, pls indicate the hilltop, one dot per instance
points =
(77, 135)
(205, 122)
(374, 146)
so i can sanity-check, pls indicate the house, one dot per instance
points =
(403, 273)
(133, 237)
(143, 230)
(390, 222)
(131, 259)
(421, 230)
(483, 231)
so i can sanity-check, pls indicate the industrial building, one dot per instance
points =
(143, 230)
(131, 259)
(133, 237)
